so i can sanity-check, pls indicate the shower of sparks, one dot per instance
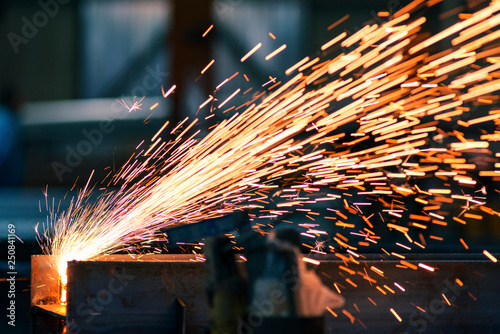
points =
(381, 127)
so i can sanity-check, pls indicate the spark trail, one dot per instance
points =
(404, 106)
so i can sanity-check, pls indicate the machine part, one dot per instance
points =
(208, 228)
(226, 288)
(273, 292)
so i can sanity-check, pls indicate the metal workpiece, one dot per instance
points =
(126, 295)
(130, 294)
(145, 294)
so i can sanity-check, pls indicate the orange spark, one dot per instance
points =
(491, 257)
(275, 52)
(255, 48)
(396, 315)
(208, 66)
(208, 30)
(168, 92)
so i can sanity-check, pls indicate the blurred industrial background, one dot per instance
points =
(65, 66)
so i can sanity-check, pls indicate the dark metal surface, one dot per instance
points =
(136, 296)
(180, 316)
(207, 228)
(122, 294)
(474, 307)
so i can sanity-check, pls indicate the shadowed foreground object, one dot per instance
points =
(138, 294)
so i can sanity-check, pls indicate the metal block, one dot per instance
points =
(127, 294)
(166, 294)
(44, 281)
(47, 313)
